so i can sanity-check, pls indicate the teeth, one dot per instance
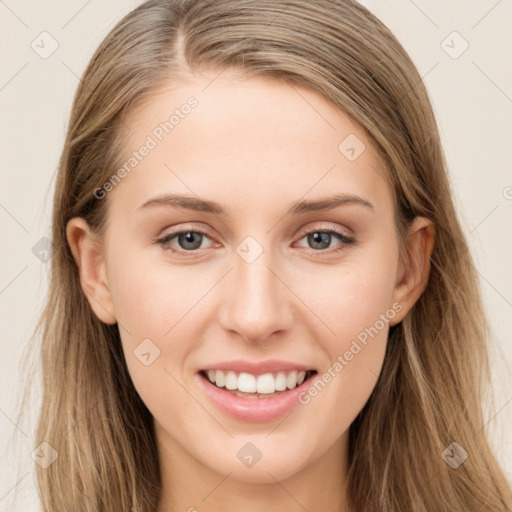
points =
(266, 384)
(219, 378)
(291, 380)
(280, 381)
(246, 383)
(231, 380)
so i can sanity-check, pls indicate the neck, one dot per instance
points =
(190, 486)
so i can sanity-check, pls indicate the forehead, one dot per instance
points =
(244, 141)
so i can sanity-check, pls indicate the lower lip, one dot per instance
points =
(253, 409)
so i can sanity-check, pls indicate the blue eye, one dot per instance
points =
(191, 240)
(187, 240)
(323, 237)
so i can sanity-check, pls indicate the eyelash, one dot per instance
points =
(347, 241)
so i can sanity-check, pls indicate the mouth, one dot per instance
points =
(257, 386)
(255, 391)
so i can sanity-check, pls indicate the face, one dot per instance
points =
(250, 276)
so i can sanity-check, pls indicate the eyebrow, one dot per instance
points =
(297, 208)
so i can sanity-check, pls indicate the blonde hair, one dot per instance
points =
(436, 371)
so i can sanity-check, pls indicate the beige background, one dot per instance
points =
(472, 97)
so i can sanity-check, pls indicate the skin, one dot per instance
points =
(256, 146)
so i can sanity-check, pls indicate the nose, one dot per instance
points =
(257, 303)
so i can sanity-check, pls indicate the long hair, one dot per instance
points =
(435, 375)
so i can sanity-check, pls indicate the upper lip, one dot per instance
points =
(257, 367)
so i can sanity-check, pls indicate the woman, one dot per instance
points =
(261, 297)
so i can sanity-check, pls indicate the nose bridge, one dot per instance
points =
(257, 304)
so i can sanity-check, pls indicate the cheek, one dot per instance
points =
(357, 293)
(362, 299)
(357, 308)
(150, 303)
(149, 299)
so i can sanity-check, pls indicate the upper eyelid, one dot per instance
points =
(319, 227)
(307, 229)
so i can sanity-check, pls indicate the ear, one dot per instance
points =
(412, 275)
(87, 252)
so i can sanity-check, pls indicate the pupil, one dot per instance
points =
(320, 238)
(189, 239)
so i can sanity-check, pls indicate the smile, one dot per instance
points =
(257, 386)
(255, 392)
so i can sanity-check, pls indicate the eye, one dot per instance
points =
(320, 239)
(189, 240)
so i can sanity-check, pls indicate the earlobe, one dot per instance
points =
(87, 253)
(413, 274)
